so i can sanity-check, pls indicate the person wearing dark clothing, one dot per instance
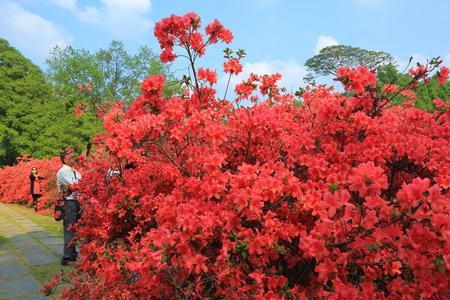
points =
(65, 178)
(35, 186)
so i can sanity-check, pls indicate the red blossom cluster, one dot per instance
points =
(153, 85)
(183, 31)
(266, 84)
(232, 66)
(357, 80)
(335, 196)
(15, 181)
(207, 75)
(419, 71)
(48, 288)
(443, 75)
(86, 87)
(80, 109)
(389, 89)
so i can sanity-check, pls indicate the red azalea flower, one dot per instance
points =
(389, 89)
(438, 102)
(153, 85)
(232, 66)
(207, 75)
(443, 75)
(80, 109)
(419, 71)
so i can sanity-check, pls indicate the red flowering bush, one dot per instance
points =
(330, 196)
(15, 181)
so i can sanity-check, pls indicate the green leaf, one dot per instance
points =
(282, 251)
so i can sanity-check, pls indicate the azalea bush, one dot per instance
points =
(325, 196)
(15, 182)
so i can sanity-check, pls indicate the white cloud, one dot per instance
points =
(29, 32)
(324, 41)
(292, 74)
(124, 18)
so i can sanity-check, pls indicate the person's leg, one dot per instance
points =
(71, 214)
(35, 199)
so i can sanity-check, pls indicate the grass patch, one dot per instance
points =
(3, 240)
(45, 273)
(46, 221)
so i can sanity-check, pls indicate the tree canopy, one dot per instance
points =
(110, 74)
(425, 93)
(32, 120)
(331, 58)
(37, 110)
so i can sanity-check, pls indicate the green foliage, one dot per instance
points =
(113, 73)
(32, 121)
(37, 112)
(331, 58)
(426, 93)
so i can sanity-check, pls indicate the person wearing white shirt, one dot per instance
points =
(65, 178)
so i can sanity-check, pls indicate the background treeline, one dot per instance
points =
(37, 116)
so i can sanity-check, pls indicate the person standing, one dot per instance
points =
(35, 186)
(66, 177)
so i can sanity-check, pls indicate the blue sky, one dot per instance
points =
(278, 35)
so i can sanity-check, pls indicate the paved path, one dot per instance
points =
(27, 245)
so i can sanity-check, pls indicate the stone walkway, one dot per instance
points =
(28, 245)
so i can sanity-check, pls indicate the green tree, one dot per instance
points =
(32, 121)
(426, 93)
(331, 58)
(113, 73)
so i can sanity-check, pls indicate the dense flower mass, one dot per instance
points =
(328, 196)
(335, 197)
(15, 181)
(274, 201)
